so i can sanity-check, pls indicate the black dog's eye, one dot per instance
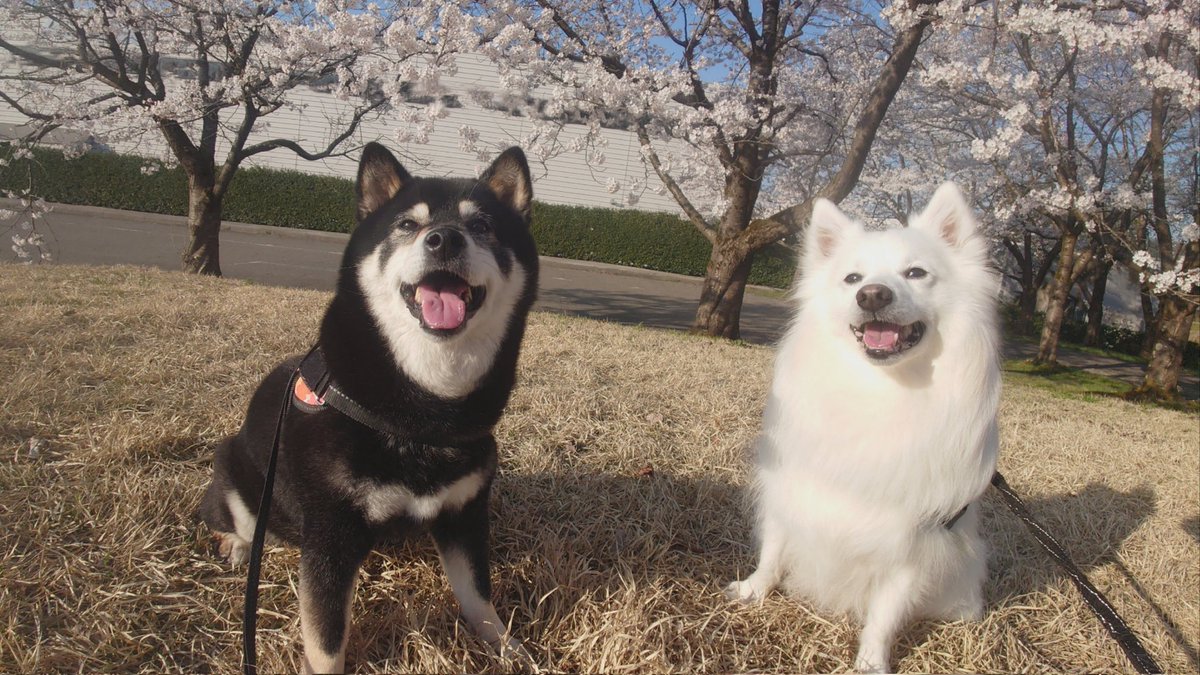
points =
(853, 278)
(408, 224)
(479, 225)
(915, 273)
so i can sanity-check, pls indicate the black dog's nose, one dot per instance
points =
(445, 243)
(874, 297)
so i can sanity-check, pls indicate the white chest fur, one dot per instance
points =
(384, 502)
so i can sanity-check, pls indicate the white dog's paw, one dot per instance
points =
(745, 592)
(863, 665)
(873, 657)
(972, 612)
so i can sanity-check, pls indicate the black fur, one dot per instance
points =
(442, 441)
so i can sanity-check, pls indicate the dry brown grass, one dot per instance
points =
(125, 379)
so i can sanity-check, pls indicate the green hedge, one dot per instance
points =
(656, 241)
(643, 239)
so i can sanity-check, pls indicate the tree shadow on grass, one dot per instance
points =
(1192, 527)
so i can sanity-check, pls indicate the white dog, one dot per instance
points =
(879, 434)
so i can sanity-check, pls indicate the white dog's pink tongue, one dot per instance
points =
(443, 308)
(878, 335)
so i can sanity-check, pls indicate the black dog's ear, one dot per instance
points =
(380, 177)
(508, 177)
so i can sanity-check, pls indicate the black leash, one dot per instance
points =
(1138, 656)
(313, 371)
(250, 611)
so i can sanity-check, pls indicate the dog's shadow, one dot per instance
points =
(1091, 525)
(567, 540)
(650, 523)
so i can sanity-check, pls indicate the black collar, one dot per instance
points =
(949, 524)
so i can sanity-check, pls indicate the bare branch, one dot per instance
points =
(693, 214)
(763, 232)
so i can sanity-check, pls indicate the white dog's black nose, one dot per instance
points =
(445, 243)
(874, 297)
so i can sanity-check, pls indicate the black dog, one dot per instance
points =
(423, 333)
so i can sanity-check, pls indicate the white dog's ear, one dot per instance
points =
(826, 229)
(947, 216)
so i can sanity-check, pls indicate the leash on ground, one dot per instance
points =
(250, 610)
(1117, 628)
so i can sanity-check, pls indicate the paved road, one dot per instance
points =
(305, 259)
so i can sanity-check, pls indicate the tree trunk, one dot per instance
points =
(1166, 359)
(1059, 290)
(203, 254)
(1033, 276)
(1027, 300)
(1094, 337)
(1026, 309)
(1150, 320)
(720, 308)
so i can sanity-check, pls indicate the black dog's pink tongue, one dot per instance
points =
(880, 335)
(443, 308)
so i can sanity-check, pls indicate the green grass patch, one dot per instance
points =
(1083, 349)
(1066, 382)
(1117, 342)
(1075, 383)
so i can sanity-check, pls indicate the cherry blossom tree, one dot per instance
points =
(1088, 108)
(206, 75)
(745, 112)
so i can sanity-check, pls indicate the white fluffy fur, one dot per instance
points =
(448, 367)
(860, 463)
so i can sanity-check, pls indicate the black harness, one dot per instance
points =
(314, 375)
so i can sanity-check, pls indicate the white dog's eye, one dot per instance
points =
(915, 273)
(853, 278)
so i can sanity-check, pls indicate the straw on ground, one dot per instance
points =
(618, 515)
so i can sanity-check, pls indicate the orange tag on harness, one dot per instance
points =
(305, 395)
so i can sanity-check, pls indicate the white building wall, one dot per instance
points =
(314, 120)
